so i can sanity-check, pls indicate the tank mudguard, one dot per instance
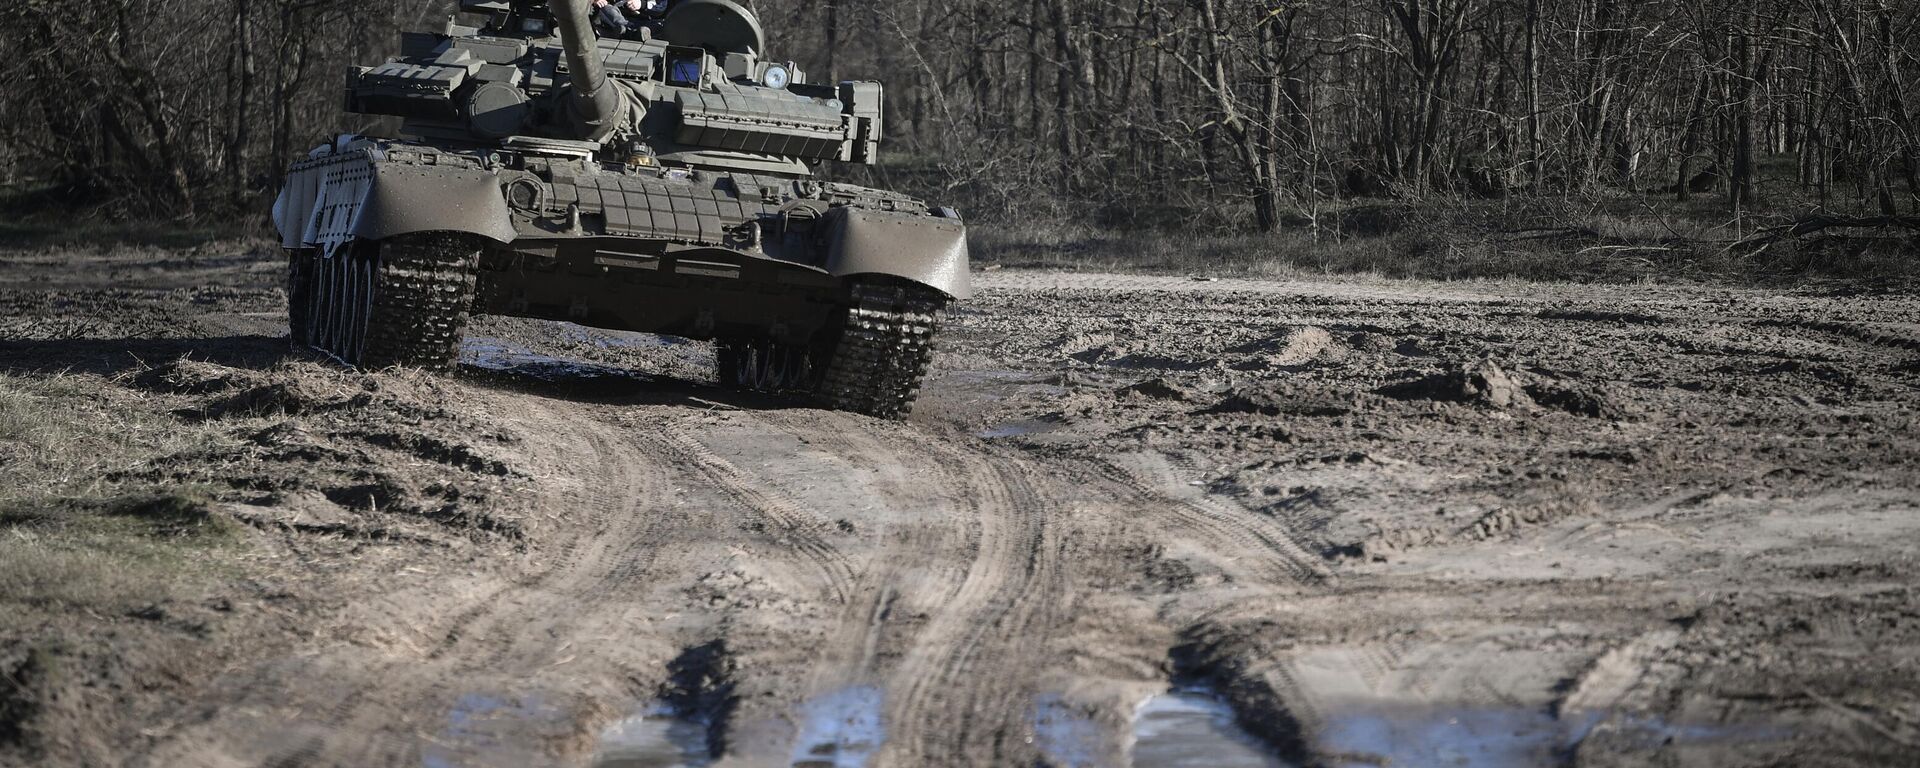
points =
(930, 250)
(336, 198)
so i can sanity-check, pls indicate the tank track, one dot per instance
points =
(761, 365)
(301, 264)
(872, 360)
(420, 309)
(398, 302)
(884, 350)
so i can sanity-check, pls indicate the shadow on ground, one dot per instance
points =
(584, 382)
(108, 357)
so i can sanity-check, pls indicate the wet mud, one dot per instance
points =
(1135, 521)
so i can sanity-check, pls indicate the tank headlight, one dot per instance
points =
(776, 77)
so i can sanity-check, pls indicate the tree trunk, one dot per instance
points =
(1535, 162)
(1740, 190)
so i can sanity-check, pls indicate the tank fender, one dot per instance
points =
(331, 200)
(409, 199)
(930, 250)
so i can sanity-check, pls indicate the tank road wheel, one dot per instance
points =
(763, 365)
(401, 301)
(884, 348)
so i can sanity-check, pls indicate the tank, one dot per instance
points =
(659, 176)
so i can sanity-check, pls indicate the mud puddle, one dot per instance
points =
(496, 726)
(1068, 738)
(611, 339)
(842, 729)
(657, 738)
(995, 386)
(1192, 727)
(1504, 738)
(1021, 428)
(497, 356)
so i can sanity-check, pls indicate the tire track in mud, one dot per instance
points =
(938, 705)
(1224, 631)
(588, 549)
(1861, 333)
(942, 709)
(850, 656)
(615, 548)
(1274, 552)
(787, 519)
(991, 519)
(386, 710)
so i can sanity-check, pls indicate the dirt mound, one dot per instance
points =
(1106, 350)
(1295, 348)
(1536, 509)
(1486, 383)
(1373, 343)
(1590, 401)
(192, 377)
(375, 454)
(1483, 382)
(1159, 389)
(287, 397)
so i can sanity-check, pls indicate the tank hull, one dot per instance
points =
(554, 219)
(659, 179)
(635, 284)
(825, 289)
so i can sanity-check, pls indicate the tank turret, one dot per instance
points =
(694, 88)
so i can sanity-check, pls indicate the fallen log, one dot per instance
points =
(1808, 225)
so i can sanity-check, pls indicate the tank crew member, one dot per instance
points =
(612, 17)
(620, 18)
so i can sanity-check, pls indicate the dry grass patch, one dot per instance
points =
(1625, 239)
(73, 534)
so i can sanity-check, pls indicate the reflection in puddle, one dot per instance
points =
(1492, 738)
(840, 729)
(1064, 736)
(1192, 728)
(657, 739)
(611, 339)
(497, 726)
(490, 354)
(1499, 738)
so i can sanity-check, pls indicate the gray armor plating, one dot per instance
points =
(661, 181)
(681, 142)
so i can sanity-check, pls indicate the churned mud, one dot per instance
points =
(1136, 521)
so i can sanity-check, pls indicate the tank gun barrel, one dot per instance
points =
(597, 105)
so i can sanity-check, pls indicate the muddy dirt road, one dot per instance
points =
(1136, 521)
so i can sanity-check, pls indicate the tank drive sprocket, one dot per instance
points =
(403, 301)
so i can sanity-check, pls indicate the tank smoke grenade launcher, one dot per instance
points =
(662, 181)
